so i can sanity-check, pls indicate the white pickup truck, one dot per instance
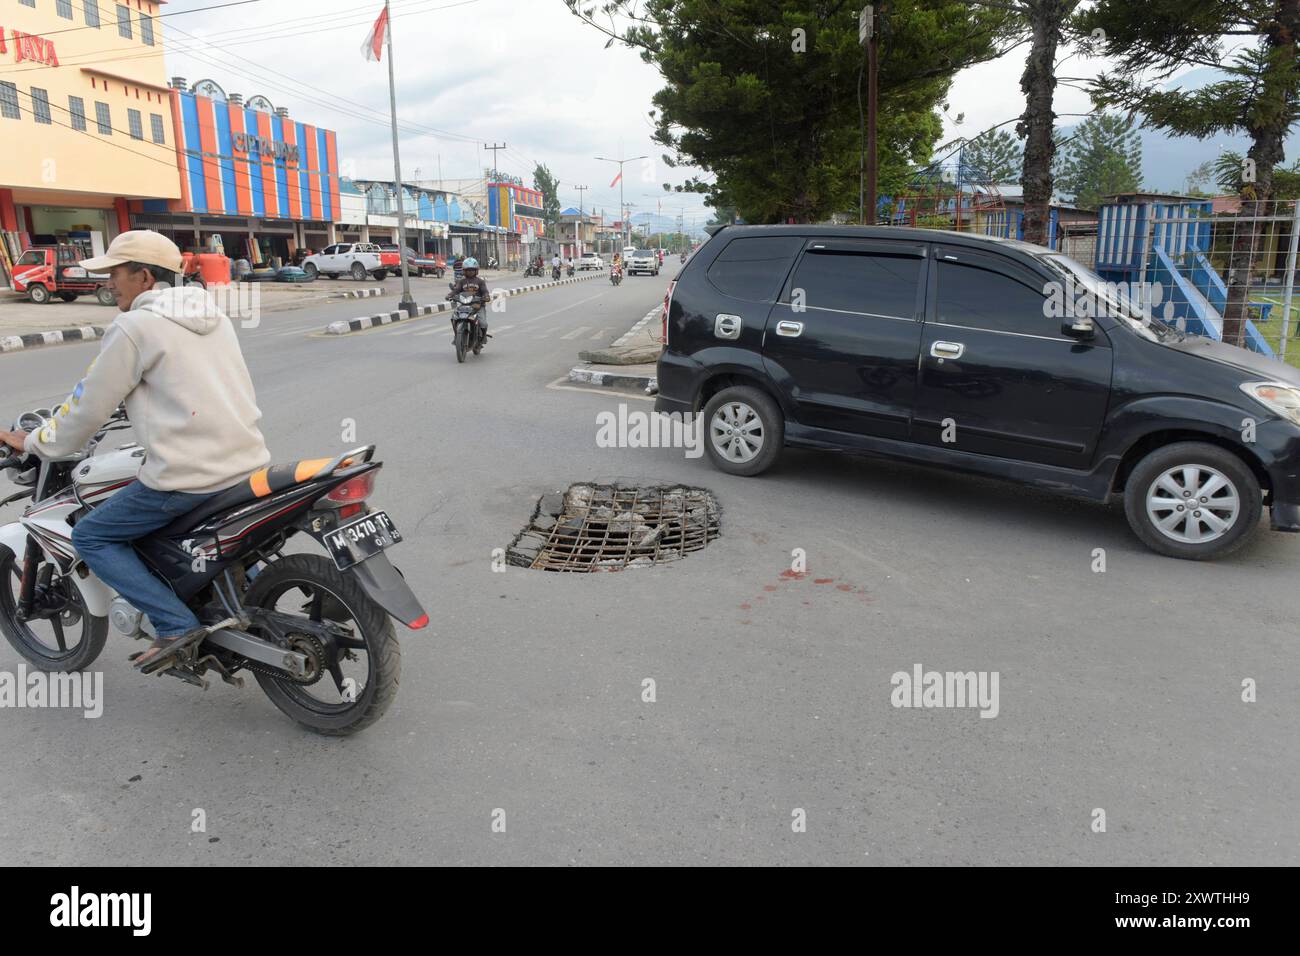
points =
(355, 259)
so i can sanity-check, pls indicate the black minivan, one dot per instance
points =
(982, 355)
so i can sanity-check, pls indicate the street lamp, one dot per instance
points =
(620, 162)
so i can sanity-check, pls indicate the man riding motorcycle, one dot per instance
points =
(175, 360)
(478, 288)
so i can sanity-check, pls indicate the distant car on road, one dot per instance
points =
(590, 260)
(355, 259)
(643, 260)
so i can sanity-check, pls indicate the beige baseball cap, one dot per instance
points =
(138, 245)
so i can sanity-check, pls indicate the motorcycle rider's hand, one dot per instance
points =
(13, 440)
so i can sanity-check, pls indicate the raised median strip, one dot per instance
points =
(358, 293)
(638, 377)
(348, 326)
(35, 340)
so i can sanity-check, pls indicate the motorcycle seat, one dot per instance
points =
(261, 484)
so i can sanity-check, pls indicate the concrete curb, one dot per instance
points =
(348, 326)
(645, 320)
(589, 376)
(34, 340)
(358, 293)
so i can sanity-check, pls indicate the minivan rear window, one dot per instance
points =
(754, 268)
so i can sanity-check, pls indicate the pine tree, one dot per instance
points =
(1102, 157)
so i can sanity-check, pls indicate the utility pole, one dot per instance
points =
(496, 236)
(869, 36)
(407, 303)
(577, 231)
(621, 205)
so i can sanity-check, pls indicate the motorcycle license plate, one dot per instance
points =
(357, 540)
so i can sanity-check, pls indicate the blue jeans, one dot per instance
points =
(103, 539)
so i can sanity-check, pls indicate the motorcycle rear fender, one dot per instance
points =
(94, 593)
(387, 588)
(383, 584)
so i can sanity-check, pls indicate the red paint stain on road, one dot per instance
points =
(769, 587)
(797, 575)
(844, 587)
(822, 580)
(746, 607)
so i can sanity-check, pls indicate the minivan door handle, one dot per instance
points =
(789, 328)
(947, 350)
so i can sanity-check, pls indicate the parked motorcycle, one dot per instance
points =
(615, 275)
(492, 262)
(314, 631)
(467, 330)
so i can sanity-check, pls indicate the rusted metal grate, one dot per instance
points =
(611, 527)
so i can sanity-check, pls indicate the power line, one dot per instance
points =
(156, 16)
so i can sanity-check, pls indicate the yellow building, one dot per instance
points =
(85, 119)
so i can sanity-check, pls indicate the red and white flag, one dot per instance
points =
(374, 45)
(616, 179)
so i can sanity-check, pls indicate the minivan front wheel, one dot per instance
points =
(1193, 500)
(743, 430)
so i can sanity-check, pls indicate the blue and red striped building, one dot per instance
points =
(249, 172)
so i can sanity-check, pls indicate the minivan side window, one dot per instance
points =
(992, 299)
(753, 269)
(870, 283)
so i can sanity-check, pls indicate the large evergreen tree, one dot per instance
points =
(763, 93)
(1259, 94)
(1103, 156)
(993, 157)
(549, 187)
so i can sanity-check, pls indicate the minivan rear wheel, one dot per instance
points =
(1193, 500)
(743, 430)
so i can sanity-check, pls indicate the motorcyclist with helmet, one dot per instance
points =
(471, 284)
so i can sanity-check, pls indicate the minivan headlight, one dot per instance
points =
(1277, 397)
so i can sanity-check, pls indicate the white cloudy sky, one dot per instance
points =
(523, 72)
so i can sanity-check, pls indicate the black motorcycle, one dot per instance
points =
(467, 330)
(570, 270)
(315, 631)
(555, 272)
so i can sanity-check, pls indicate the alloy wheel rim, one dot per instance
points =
(1193, 504)
(736, 432)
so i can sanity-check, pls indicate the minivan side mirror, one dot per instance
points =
(1078, 327)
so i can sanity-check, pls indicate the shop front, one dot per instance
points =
(79, 141)
(255, 184)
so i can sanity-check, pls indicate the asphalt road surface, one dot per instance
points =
(1118, 691)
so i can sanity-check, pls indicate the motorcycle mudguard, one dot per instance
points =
(389, 590)
(95, 594)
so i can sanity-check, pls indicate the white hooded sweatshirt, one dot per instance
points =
(175, 360)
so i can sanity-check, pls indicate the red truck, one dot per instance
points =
(47, 272)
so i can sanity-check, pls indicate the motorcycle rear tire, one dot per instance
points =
(382, 650)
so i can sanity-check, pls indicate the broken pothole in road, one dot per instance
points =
(592, 527)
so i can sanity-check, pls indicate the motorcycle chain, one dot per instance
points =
(317, 651)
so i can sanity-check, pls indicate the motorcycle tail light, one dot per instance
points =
(351, 492)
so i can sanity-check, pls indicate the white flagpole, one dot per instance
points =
(407, 303)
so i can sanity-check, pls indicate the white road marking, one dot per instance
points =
(576, 332)
(600, 334)
(545, 315)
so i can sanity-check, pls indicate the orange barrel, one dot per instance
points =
(214, 268)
